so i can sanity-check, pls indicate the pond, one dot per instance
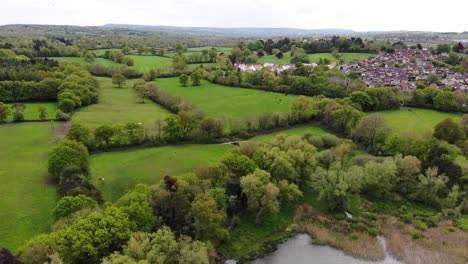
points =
(299, 250)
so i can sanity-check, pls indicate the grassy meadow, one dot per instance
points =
(295, 131)
(124, 169)
(26, 199)
(218, 100)
(146, 63)
(32, 110)
(416, 122)
(119, 105)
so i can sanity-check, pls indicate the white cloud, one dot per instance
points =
(360, 15)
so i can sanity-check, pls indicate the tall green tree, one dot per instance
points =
(118, 79)
(42, 113)
(18, 111)
(103, 133)
(183, 79)
(79, 133)
(209, 219)
(68, 154)
(449, 131)
(4, 112)
(196, 77)
(262, 195)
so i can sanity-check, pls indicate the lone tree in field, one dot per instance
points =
(42, 113)
(183, 79)
(18, 114)
(118, 79)
(4, 112)
(195, 77)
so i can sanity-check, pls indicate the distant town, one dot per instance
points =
(404, 69)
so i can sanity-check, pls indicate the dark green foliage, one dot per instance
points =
(449, 131)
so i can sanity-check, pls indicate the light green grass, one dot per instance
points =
(348, 57)
(146, 63)
(32, 110)
(218, 100)
(416, 122)
(119, 105)
(26, 199)
(123, 170)
(296, 131)
(286, 59)
(101, 61)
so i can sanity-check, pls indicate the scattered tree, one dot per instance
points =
(118, 79)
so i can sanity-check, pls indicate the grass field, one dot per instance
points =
(145, 63)
(26, 199)
(101, 61)
(218, 100)
(119, 105)
(314, 57)
(32, 110)
(123, 170)
(296, 131)
(416, 122)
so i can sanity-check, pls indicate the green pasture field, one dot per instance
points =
(295, 131)
(124, 169)
(27, 199)
(223, 101)
(119, 105)
(101, 61)
(146, 63)
(32, 110)
(416, 122)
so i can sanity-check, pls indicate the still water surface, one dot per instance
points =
(299, 250)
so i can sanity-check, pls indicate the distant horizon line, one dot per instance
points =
(230, 27)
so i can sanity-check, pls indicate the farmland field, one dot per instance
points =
(32, 110)
(119, 105)
(26, 199)
(101, 61)
(122, 170)
(296, 131)
(416, 122)
(145, 63)
(218, 100)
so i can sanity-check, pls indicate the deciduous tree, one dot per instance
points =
(118, 79)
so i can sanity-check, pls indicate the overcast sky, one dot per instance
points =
(361, 15)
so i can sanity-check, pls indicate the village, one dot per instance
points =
(405, 68)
